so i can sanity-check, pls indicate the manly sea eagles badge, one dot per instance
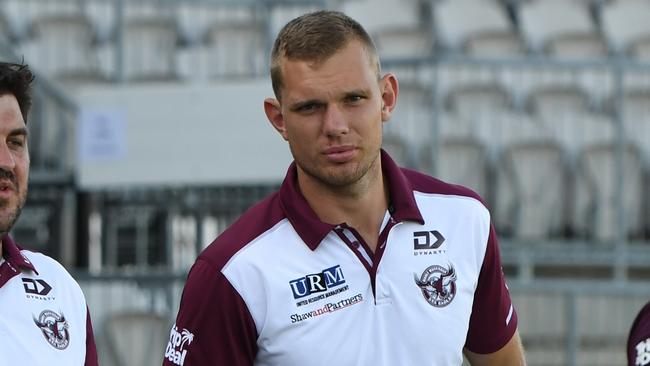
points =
(438, 285)
(54, 328)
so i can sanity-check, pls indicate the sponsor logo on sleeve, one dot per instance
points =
(438, 285)
(176, 350)
(328, 282)
(54, 328)
(643, 353)
(427, 242)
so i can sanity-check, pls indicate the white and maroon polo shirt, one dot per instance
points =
(282, 288)
(44, 319)
(638, 342)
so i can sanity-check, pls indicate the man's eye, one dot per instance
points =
(354, 98)
(16, 142)
(307, 108)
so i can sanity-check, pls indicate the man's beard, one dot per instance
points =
(7, 220)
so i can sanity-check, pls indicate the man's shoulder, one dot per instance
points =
(50, 267)
(424, 183)
(253, 223)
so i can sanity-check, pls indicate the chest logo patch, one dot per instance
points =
(54, 328)
(438, 285)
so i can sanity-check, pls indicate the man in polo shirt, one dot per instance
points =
(638, 342)
(44, 319)
(354, 261)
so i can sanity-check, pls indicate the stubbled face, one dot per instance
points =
(14, 162)
(331, 113)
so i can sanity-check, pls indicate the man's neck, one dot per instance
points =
(361, 206)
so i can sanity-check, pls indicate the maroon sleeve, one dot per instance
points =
(213, 326)
(493, 321)
(91, 350)
(638, 342)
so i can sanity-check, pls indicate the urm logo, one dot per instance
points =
(317, 282)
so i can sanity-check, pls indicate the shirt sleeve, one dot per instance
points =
(638, 342)
(91, 349)
(493, 321)
(213, 326)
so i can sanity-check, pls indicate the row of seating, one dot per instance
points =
(199, 40)
(549, 171)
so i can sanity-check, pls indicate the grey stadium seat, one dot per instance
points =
(625, 22)
(563, 29)
(597, 211)
(539, 179)
(477, 27)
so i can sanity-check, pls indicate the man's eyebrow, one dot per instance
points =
(303, 103)
(19, 131)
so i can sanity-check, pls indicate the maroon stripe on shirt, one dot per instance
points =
(91, 349)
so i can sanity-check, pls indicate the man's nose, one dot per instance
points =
(7, 159)
(334, 121)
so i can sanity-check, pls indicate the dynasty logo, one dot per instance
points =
(427, 242)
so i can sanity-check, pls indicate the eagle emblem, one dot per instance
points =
(438, 285)
(54, 328)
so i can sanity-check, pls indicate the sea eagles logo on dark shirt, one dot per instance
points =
(643, 353)
(54, 328)
(438, 285)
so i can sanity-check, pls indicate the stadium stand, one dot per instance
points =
(62, 47)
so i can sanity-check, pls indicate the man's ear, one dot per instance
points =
(273, 111)
(390, 90)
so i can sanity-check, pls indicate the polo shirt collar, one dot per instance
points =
(312, 230)
(11, 254)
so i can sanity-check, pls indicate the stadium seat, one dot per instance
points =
(461, 161)
(636, 119)
(412, 119)
(477, 27)
(195, 19)
(404, 43)
(5, 28)
(542, 322)
(399, 149)
(379, 15)
(282, 12)
(566, 113)
(22, 14)
(561, 29)
(539, 180)
(471, 99)
(640, 49)
(149, 50)
(624, 23)
(137, 338)
(236, 50)
(597, 213)
(62, 46)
